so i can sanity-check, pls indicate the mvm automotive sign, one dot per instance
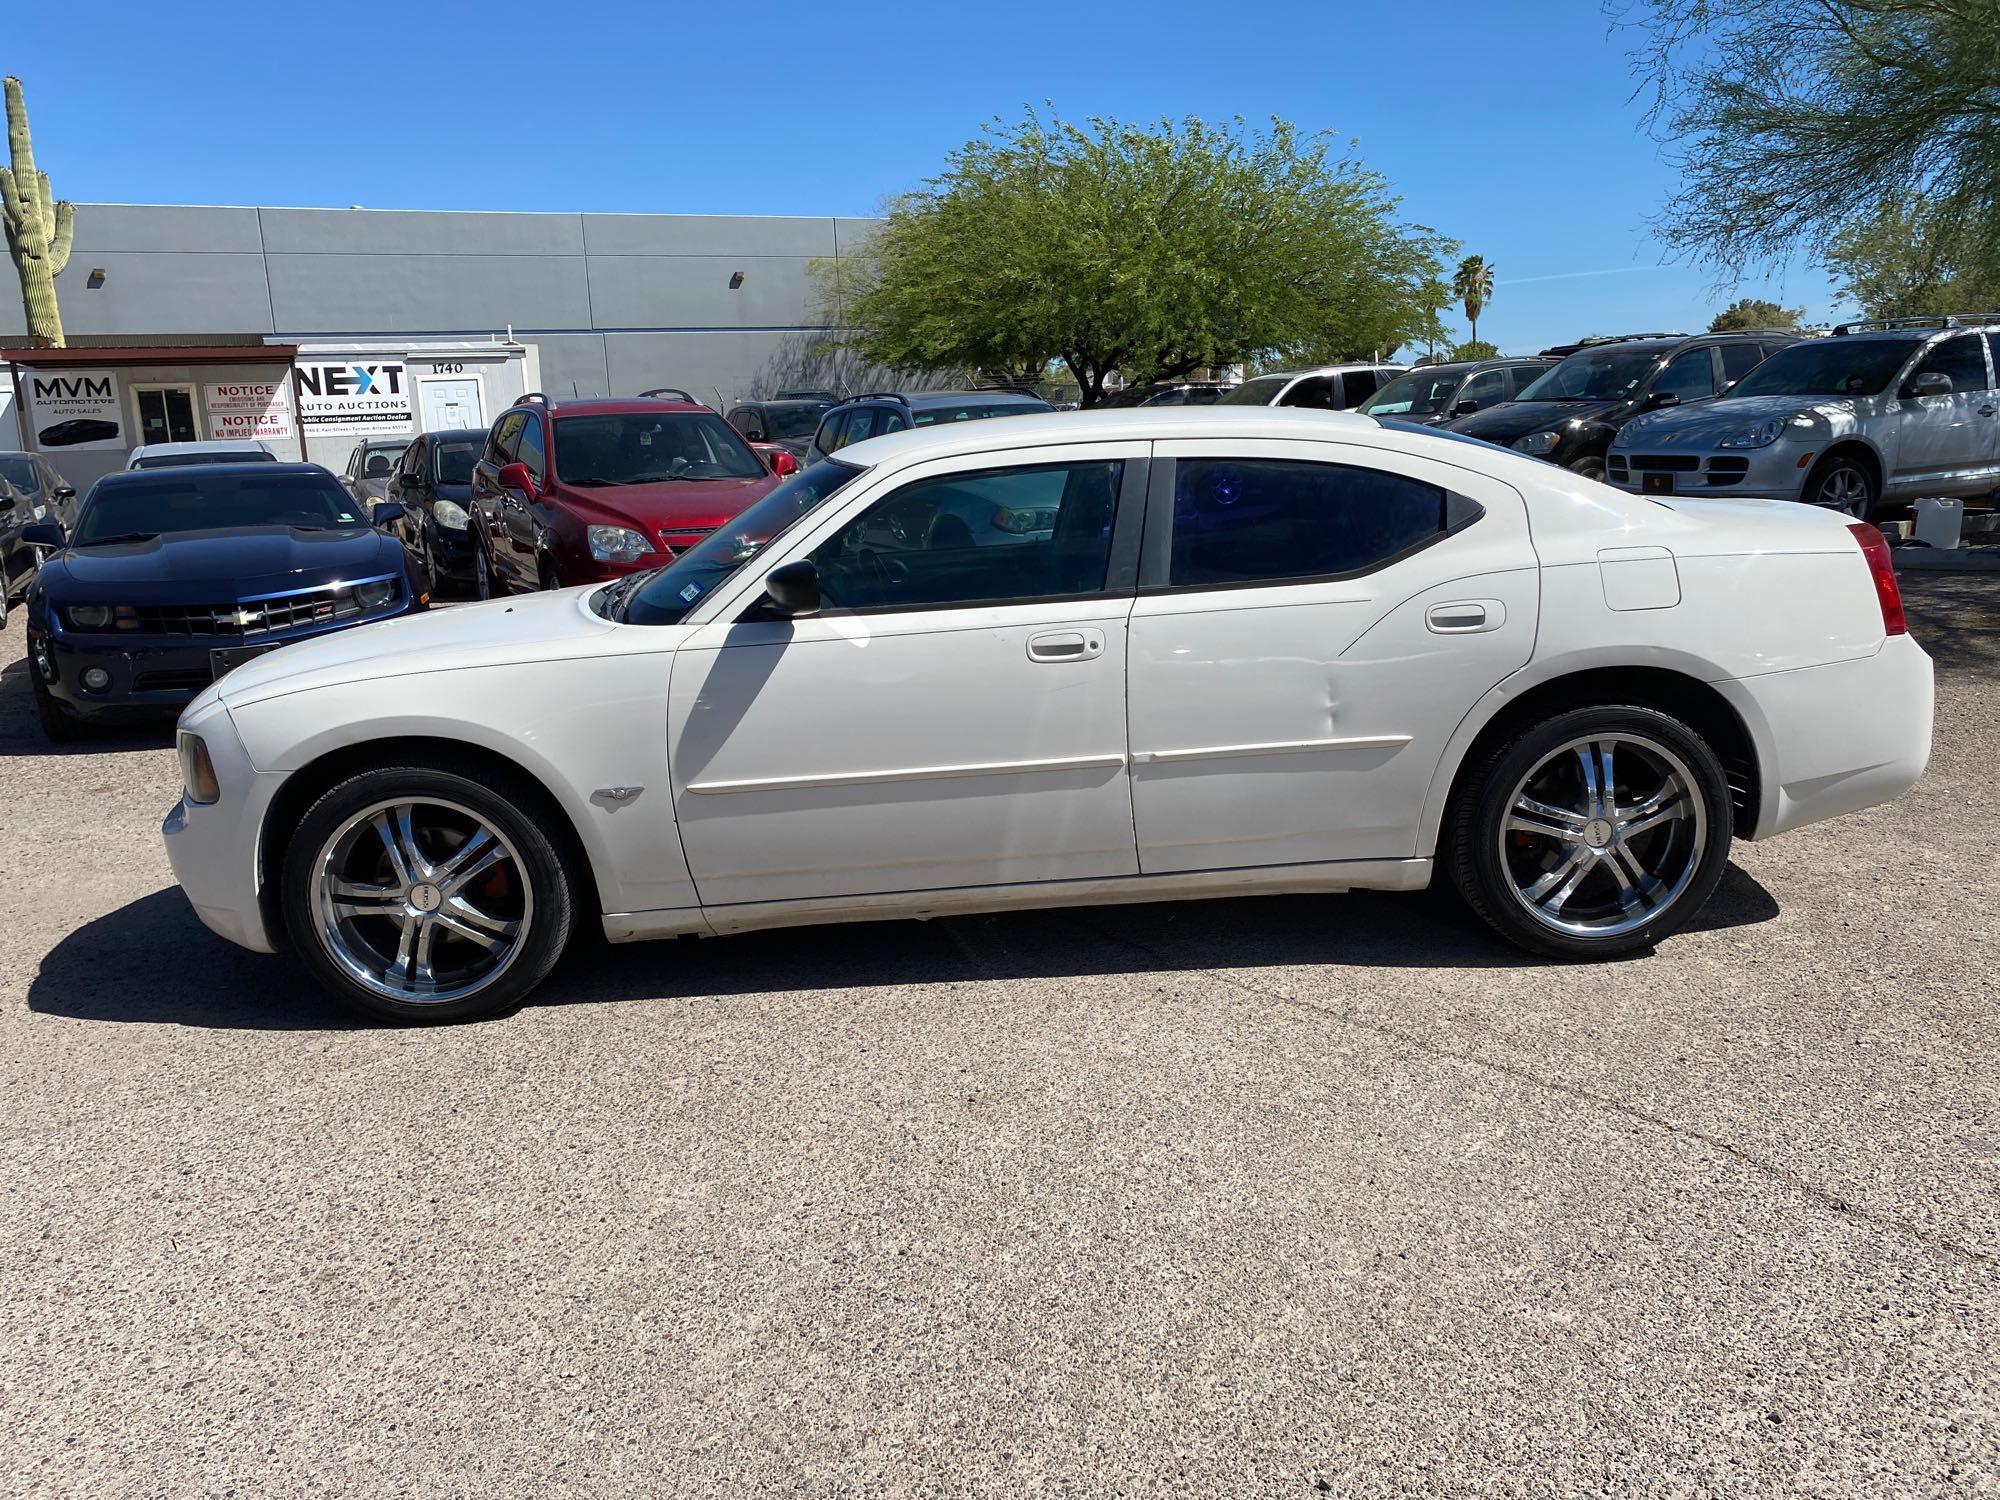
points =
(74, 409)
(354, 400)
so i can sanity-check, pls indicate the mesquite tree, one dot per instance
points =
(39, 228)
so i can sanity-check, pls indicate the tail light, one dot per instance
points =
(1875, 551)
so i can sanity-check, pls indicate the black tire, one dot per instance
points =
(482, 570)
(1850, 473)
(59, 725)
(510, 807)
(1589, 468)
(1484, 799)
(548, 577)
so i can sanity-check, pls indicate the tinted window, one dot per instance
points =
(650, 448)
(1488, 388)
(1356, 386)
(1739, 360)
(236, 498)
(973, 411)
(1594, 375)
(506, 432)
(1247, 520)
(790, 422)
(1961, 358)
(454, 462)
(1315, 391)
(1520, 377)
(1259, 391)
(220, 456)
(19, 470)
(1421, 393)
(1001, 534)
(746, 420)
(1689, 375)
(529, 450)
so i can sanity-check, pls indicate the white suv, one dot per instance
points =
(1877, 414)
(1328, 388)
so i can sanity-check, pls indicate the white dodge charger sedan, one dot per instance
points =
(1057, 660)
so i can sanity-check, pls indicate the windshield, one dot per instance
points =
(210, 456)
(454, 461)
(1261, 391)
(1594, 375)
(794, 421)
(1827, 367)
(1421, 393)
(973, 411)
(664, 596)
(648, 447)
(146, 507)
(19, 470)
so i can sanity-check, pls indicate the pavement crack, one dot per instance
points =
(1941, 1244)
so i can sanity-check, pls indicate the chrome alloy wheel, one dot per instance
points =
(1603, 835)
(1845, 489)
(421, 901)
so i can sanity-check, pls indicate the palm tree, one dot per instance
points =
(1472, 284)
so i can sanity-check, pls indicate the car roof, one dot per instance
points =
(1908, 333)
(207, 445)
(1112, 424)
(607, 406)
(456, 432)
(926, 400)
(234, 471)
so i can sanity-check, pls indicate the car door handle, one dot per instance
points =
(1465, 616)
(1986, 411)
(1065, 645)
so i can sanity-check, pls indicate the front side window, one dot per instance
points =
(1521, 377)
(617, 448)
(1259, 390)
(529, 450)
(1962, 359)
(1258, 520)
(1421, 393)
(227, 500)
(453, 462)
(1315, 391)
(1689, 376)
(1739, 360)
(992, 536)
(506, 433)
(1487, 388)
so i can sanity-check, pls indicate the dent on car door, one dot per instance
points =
(955, 714)
(1314, 621)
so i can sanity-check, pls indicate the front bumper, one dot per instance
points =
(214, 847)
(151, 675)
(1777, 472)
(1837, 738)
(450, 552)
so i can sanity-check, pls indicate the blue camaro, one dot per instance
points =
(173, 576)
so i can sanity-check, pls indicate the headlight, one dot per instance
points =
(1541, 444)
(617, 544)
(451, 517)
(197, 770)
(1757, 435)
(89, 616)
(375, 595)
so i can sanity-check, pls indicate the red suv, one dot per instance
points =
(583, 491)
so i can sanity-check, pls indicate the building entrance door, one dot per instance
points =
(166, 413)
(450, 403)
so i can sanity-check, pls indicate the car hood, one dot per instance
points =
(1708, 420)
(499, 631)
(675, 505)
(1516, 419)
(234, 564)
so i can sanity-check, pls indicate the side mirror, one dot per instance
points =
(794, 588)
(1929, 383)
(6, 502)
(1659, 399)
(1464, 408)
(1725, 388)
(783, 464)
(44, 534)
(387, 513)
(517, 477)
(63, 492)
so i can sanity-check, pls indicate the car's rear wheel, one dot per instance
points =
(1844, 484)
(423, 893)
(1595, 833)
(1589, 468)
(482, 571)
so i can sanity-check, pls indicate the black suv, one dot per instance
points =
(891, 411)
(1571, 413)
(786, 422)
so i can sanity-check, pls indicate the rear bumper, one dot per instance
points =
(1837, 738)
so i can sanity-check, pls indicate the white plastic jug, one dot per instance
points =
(1939, 522)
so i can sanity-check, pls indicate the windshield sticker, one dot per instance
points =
(690, 593)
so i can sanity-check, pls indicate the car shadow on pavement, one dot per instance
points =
(153, 960)
(21, 735)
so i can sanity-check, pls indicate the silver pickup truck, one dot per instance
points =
(1867, 419)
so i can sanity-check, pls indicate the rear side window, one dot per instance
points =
(1739, 360)
(1256, 520)
(1689, 375)
(1356, 386)
(1315, 391)
(1960, 358)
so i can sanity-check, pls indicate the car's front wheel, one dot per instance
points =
(1590, 468)
(427, 892)
(1844, 484)
(1594, 833)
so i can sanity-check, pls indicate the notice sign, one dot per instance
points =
(248, 408)
(74, 409)
(370, 400)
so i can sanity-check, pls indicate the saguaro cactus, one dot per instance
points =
(38, 229)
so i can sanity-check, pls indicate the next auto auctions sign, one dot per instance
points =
(354, 400)
(248, 408)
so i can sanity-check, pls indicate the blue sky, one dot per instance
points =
(1509, 125)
